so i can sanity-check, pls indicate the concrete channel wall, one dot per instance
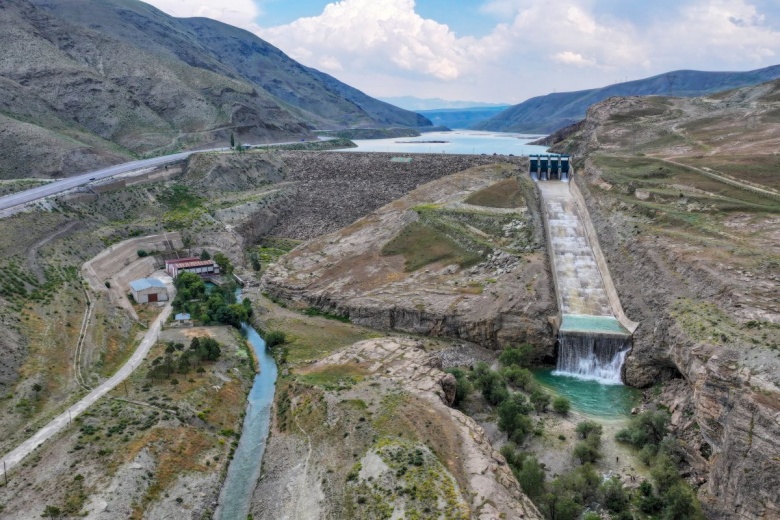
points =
(609, 286)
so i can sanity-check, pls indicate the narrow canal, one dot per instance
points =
(244, 469)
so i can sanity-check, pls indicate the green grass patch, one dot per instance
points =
(422, 245)
(503, 194)
(334, 377)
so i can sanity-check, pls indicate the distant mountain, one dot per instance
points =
(85, 83)
(546, 114)
(417, 104)
(461, 117)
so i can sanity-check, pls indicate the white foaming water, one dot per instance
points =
(592, 356)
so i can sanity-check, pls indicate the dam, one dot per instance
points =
(594, 334)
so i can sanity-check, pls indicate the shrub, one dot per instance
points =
(561, 405)
(613, 495)
(274, 338)
(540, 399)
(531, 478)
(664, 473)
(586, 451)
(519, 356)
(513, 418)
(585, 428)
(645, 428)
(142, 253)
(680, 502)
(491, 384)
(518, 377)
(462, 385)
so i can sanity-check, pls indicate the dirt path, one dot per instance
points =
(16, 455)
(726, 180)
(32, 253)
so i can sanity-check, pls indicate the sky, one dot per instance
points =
(503, 51)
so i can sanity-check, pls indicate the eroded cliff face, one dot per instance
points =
(503, 299)
(726, 407)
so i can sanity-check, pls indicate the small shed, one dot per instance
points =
(149, 290)
(183, 317)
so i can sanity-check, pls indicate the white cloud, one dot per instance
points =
(386, 48)
(373, 35)
(240, 13)
(574, 58)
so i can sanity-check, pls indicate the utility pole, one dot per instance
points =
(5, 474)
(69, 418)
(126, 393)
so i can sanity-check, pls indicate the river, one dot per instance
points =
(454, 142)
(244, 469)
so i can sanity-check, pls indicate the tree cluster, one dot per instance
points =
(178, 360)
(218, 306)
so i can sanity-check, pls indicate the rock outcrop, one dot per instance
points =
(504, 299)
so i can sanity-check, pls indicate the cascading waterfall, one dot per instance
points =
(592, 355)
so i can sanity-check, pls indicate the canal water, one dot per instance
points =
(590, 397)
(455, 142)
(244, 469)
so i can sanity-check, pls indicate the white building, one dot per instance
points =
(149, 290)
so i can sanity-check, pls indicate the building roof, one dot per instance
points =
(182, 316)
(174, 261)
(194, 263)
(146, 283)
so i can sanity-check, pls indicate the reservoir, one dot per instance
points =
(244, 469)
(455, 142)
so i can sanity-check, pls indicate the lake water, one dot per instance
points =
(591, 397)
(244, 469)
(457, 142)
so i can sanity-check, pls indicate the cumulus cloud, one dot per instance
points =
(386, 48)
(574, 58)
(373, 34)
(240, 13)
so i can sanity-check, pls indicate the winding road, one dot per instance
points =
(61, 421)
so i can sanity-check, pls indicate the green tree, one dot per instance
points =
(613, 495)
(513, 417)
(520, 356)
(491, 384)
(232, 140)
(518, 377)
(561, 405)
(645, 428)
(204, 255)
(540, 399)
(531, 478)
(585, 428)
(680, 502)
(224, 263)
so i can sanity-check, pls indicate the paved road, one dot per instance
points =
(69, 183)
(61, 421)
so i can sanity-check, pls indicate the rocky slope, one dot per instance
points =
(389, 398)
(546, 114)
(89, 83)
(682, 195)
(490, 287)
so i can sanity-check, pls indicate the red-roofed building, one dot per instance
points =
(204, 268)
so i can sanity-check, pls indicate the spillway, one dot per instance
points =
(594, 336)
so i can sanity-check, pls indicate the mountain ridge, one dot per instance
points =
(551, 112)
(95, 83)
